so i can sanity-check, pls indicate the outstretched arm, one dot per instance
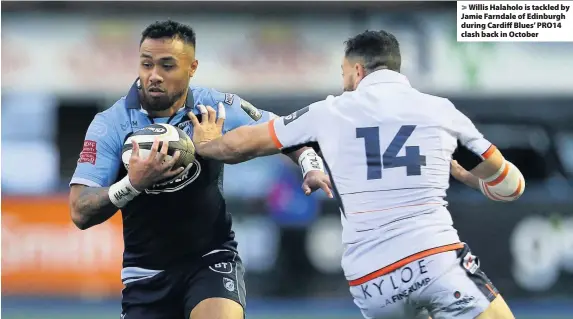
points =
(249, 140)
(244, 142)
(237, 112)
(237, 146)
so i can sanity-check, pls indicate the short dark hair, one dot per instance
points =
(376, 49)
(169, 29)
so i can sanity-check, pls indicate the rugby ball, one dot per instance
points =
(178, 141)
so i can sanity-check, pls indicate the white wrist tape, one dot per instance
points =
(310, 161)
(506, 185)
(122, 192)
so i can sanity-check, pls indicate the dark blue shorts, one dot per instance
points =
(174, 292)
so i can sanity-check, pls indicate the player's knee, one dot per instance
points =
(217, 308)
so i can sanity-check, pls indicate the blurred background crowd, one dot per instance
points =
(62, 62)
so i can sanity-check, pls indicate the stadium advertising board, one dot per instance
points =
(44, 253)
(526, 249)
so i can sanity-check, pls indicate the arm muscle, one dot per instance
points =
(90, 206)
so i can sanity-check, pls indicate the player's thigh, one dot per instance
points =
(498, 309)
(217, 308)
(151, 298)
(462, 291)
(217, 290)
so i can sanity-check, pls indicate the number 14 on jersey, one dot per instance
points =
(376, 161)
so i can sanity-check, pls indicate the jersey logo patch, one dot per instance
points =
(229, 284)
(229, 98)
(222, 268)
(290, 118)
(470, 263)
(250, 109)
(126, 125)
(186, 127)
(88, 153)
(188, 176)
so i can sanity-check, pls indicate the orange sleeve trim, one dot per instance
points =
(273, 134)
(489, 151)
(501, 176)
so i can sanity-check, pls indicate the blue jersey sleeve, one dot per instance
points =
(100, 157)
(239, 112)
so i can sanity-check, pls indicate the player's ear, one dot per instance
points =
(193, 68)
(360, 71)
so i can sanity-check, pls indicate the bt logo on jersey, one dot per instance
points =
(222, 267)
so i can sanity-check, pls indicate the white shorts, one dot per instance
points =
(445, 282)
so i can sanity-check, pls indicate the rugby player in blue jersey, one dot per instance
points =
(180, 258)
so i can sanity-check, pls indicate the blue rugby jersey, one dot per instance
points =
(177, 220)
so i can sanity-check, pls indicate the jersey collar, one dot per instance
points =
(132, 98)
(383, 76)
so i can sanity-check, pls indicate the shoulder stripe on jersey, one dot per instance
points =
(489, 151)
(273, 134)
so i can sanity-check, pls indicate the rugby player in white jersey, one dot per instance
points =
(388, 149)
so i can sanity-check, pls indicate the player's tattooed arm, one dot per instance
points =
(90, 206)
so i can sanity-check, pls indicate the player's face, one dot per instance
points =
(165, 68)
(352, 74)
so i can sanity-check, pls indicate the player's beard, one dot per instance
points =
(160, 103)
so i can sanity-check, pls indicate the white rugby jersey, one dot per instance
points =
(388, 148)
